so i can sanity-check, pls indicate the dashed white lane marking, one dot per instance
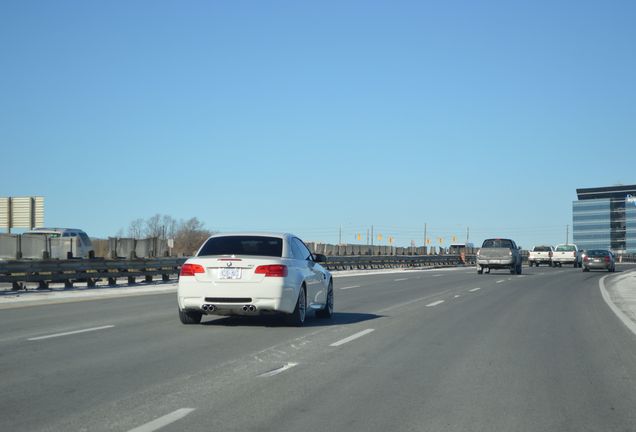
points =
(350, 287)
(474, 289)
(435, 303)
(278, 371)
(163, 421)
(352, 337)
(410, 302)
(500, 281)
(457, 296)
(70, 333)
(401, 279)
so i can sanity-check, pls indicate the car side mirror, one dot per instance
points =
(320, 258)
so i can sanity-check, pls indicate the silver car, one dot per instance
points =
(599, 259)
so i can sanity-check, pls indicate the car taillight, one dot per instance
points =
(273, 270)
(586, 259)
(191, 269)
(607, 259)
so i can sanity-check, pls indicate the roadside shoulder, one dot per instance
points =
(620, 295)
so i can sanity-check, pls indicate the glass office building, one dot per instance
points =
(605, 218)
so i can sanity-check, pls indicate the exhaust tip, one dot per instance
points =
(211, 308)
(204, 307)
(252, 308)
(245, 308)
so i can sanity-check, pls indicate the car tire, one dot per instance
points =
(585, 269)
(327, 311)
(480, 270)
(513, 270)
(519, 269)
(530, 264)
(297, 318)
(190, 317)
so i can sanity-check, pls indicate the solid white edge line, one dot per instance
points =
(350, 287)
(352, 337)
(474, 289)
(435, 303)
(619, 313)
(500, 281)
(163, 421)
(401, 279)
(71, 333)
(278, 371)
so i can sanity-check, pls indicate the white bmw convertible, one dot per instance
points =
(251, 274)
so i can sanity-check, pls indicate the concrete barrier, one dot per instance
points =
(9, 246)
(63, 247)
(34, 246)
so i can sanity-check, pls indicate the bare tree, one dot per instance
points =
(136, 228)
(153, 226)
(189, 236)
(161, 226)
(169, 226)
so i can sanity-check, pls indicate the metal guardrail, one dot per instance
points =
(395, 261)
(44, 272)
(21, 272)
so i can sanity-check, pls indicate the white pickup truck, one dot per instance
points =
(540, 255)
(566, 254)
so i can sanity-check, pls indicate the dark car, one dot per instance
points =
(599, 259)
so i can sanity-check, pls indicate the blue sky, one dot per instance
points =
(308, 116)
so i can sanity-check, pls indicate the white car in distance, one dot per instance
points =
(253, 274)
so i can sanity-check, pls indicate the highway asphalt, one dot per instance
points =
(434, 350)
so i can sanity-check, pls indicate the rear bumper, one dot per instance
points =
(495, 263)
(229, 299)
(570, 260)
(597, 266)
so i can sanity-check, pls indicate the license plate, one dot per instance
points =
(230, 273)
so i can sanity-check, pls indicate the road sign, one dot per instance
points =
(21, 212)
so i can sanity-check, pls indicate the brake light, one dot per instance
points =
(586, 259)
(191, 269)
(607, 259)
(273, 270)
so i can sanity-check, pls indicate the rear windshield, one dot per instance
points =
(542, 248)
(497, 243)
(243, 245)
(566, 248)
(597, 253)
